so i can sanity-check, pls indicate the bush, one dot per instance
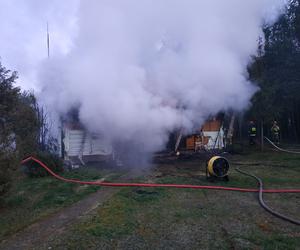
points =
(52, 161)
(6, 162)
(4, 181)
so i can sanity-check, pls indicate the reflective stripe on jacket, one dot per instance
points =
(252, 131)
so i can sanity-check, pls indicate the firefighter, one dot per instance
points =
(275, 130)
(252, 133)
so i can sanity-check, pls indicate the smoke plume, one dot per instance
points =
(138, 69)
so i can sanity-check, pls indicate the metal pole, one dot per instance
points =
(48, 41)
(262, 135)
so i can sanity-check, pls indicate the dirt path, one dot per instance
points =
(38, 233)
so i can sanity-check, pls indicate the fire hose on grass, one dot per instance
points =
(109, 184)
(281, 149)
(263, 204)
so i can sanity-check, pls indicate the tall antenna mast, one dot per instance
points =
(48, 41)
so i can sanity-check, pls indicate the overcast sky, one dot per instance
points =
(23, 39)
(23, 33)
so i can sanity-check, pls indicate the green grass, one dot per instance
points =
(31, 199)
(269, 156)
(165, 218)
(275, 241)
(117, 217)
(177, 220)
(168, 218)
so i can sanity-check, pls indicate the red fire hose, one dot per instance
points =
(109, 184)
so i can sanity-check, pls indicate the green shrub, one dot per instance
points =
(5, 174)
(4, 181)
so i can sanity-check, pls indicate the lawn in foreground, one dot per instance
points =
(33, 199)
(140, 218)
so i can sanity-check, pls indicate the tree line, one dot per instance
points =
(276, 70)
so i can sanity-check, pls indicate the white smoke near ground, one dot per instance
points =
(139, 70)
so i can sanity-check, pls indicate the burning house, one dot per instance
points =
(79, 146)
(209, 136)
(212, 135)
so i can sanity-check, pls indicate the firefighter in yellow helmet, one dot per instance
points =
(252, 132)
(275, 130)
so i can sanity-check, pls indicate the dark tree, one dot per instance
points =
(19, 125)
(276, 70)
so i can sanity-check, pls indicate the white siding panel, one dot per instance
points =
(216, 139)
(81, 143)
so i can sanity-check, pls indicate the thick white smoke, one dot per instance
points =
(139, 69)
